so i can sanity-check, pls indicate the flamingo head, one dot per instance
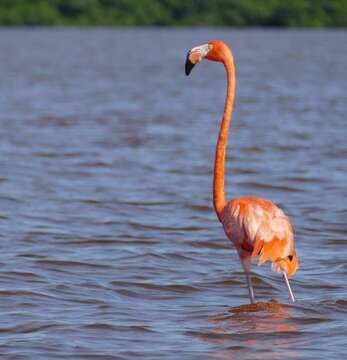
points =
(214, 50)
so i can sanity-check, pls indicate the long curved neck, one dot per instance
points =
(219, 163)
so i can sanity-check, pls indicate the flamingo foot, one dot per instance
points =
(250, 288)
(290, 292)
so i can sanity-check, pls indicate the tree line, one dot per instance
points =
(294, 13)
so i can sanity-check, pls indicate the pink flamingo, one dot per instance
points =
(256, 226)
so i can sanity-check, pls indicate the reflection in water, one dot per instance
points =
(259, 326)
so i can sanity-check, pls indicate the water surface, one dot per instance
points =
(110, 248)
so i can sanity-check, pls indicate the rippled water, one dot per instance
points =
(110, 248)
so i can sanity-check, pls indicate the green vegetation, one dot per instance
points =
(312, 13)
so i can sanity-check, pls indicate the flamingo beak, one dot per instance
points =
(195, 55)
(189, 65)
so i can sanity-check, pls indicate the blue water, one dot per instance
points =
(110, 248)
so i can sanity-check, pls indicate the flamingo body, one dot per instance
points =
(257, 227)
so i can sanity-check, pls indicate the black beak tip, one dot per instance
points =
(189, 65)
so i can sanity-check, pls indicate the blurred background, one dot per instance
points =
(109, 245)
(307, 13)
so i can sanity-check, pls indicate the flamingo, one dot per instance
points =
(257, 227)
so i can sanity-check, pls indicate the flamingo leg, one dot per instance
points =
(250, 287)
(290, 292)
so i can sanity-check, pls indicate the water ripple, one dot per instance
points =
(110, 248)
